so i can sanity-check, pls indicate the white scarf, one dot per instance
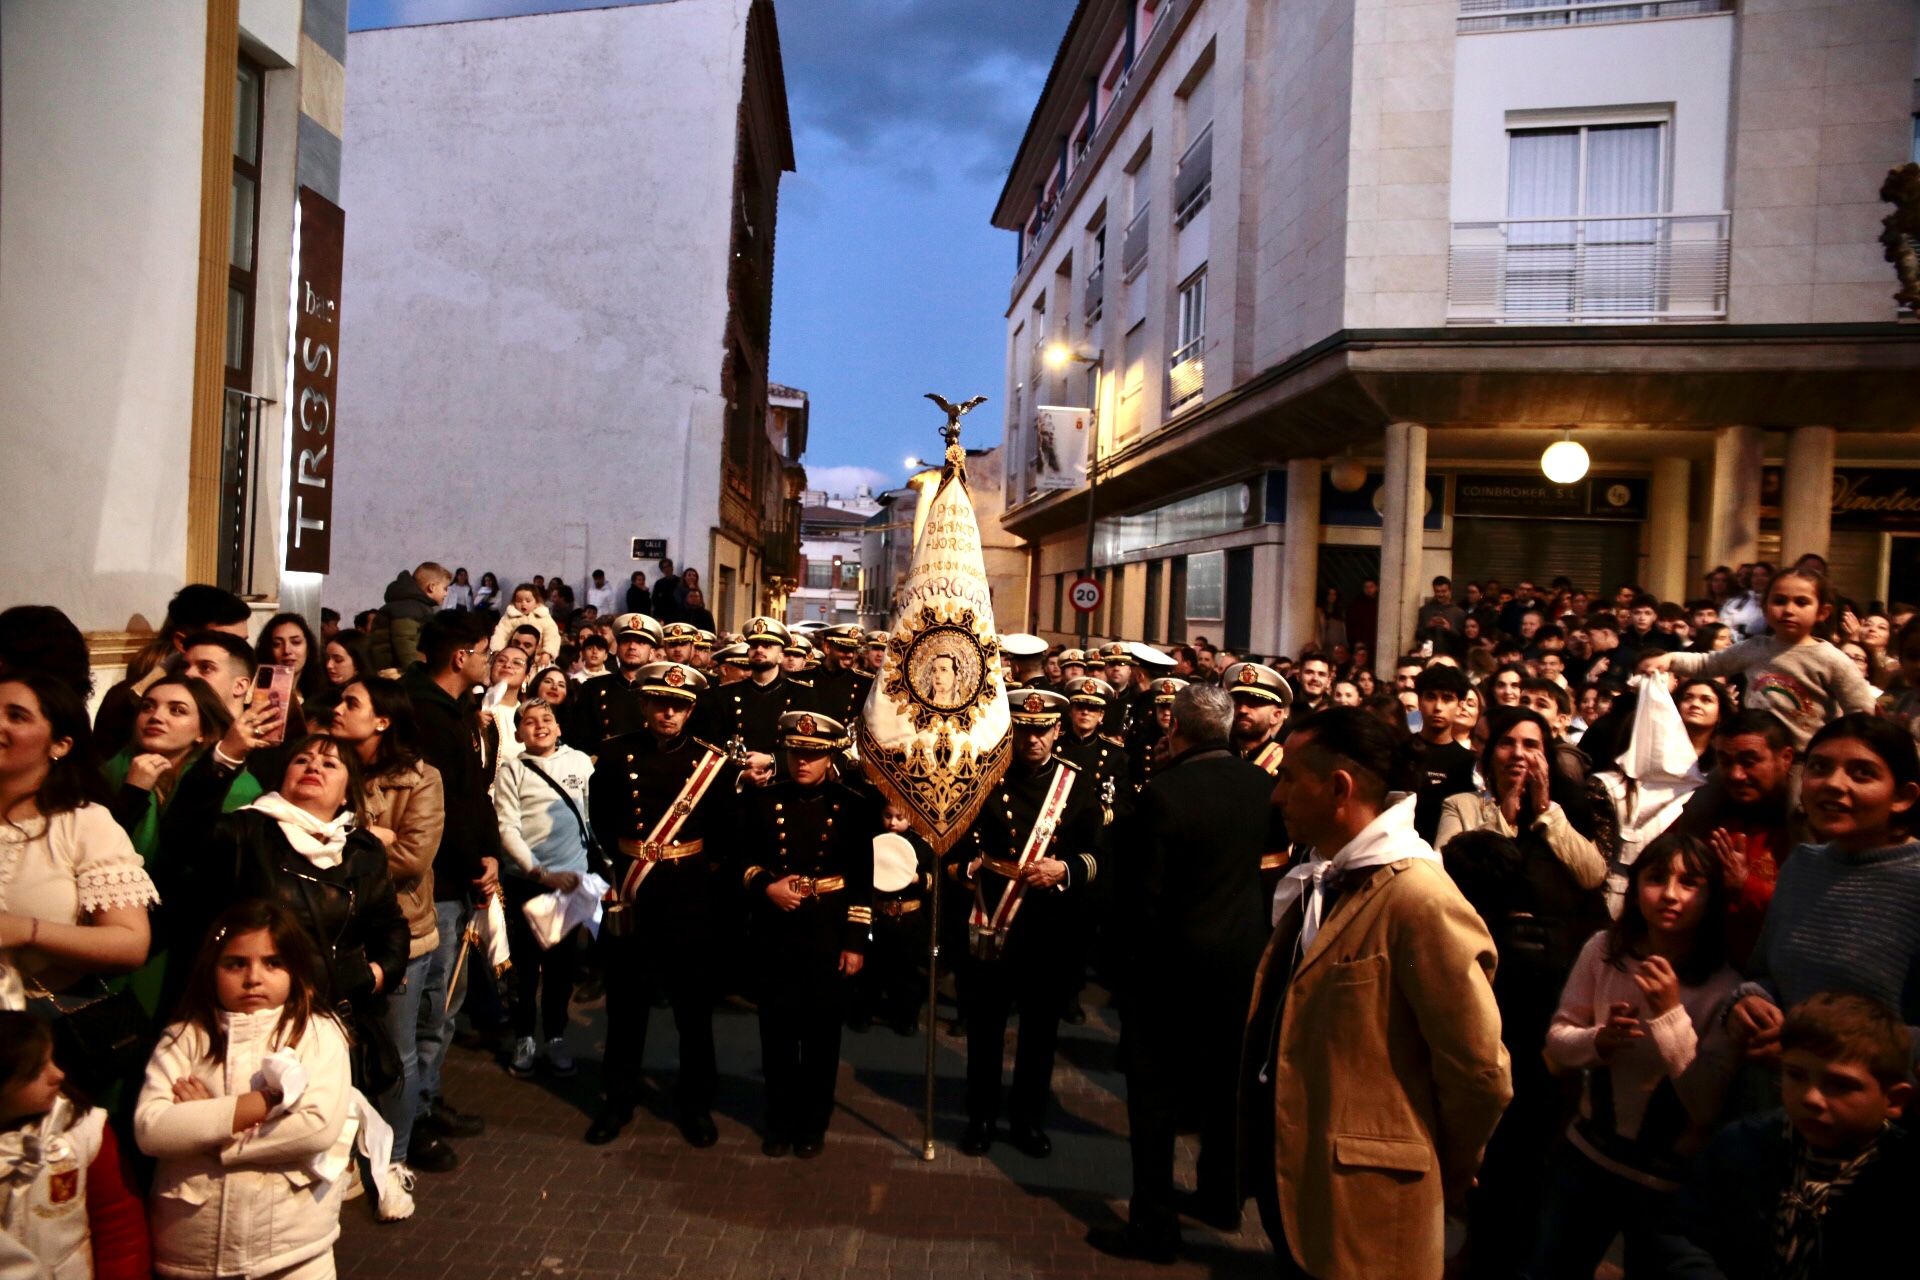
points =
(321, 843)
(1388, 838)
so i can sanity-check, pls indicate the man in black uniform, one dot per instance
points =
(841, 685)
(677, 640)
(874, 653)
(658, 796)
(806, 842)
(750, 709)
(609, 705)
(1262, 701)
(1028, 653)
(1191, 909)
(1119, 673)
(1073, 665)
(1149, 748)
(1030, 848)
(795, 655)
(1103, 764)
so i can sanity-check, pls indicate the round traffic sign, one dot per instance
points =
(1085, 595)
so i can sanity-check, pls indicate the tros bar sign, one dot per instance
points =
(319, 232)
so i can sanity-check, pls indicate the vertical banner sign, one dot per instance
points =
(1059, 446)
(320, 232)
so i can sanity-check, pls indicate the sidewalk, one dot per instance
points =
(531, 1201)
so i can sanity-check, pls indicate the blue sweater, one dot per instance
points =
(1844, 922)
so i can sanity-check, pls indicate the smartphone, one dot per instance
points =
(273, 687)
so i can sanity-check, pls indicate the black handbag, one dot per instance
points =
(99, 1036)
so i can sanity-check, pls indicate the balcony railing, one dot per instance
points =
(1193, 180)
(1096, 292)
(1530, 15)
(1133, 250)
(1186, 375)
(1656, 267)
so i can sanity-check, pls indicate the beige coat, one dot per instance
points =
(413, 804)
(1391, 1075)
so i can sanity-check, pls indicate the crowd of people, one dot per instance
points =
(1597, 919)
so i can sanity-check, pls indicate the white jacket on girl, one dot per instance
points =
(513, 619)
(43, 1195)
(244, 1204)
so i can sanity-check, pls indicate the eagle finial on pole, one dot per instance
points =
(951, 432)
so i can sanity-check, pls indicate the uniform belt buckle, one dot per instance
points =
(652, 850)
(805, 886)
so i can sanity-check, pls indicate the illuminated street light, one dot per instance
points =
(1565, 461)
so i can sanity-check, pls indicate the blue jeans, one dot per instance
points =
(434, 1026)
(399, 1107)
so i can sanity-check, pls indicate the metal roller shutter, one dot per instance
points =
(1597, 555)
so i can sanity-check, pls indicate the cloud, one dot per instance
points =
(841, 482)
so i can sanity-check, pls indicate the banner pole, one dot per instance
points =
(933, 1005)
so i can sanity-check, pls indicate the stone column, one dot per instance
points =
(1403, 500)
(1300, 563)
(1668, 525)
(1806, 498)
(1733, 523)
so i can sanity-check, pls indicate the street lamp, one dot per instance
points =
(1564, 461)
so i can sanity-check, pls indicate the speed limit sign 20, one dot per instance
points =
(1085, 595)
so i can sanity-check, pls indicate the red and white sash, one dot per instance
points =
(1044, 825)
(675, 817)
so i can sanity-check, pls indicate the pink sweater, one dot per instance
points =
(1686, 1045)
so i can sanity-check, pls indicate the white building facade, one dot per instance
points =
(152, 158)
(1424, 240)
(831, 529)
(561, 267)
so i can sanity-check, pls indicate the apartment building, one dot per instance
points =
(1320, 282)
(169, 189)
(561, 266)
(831, 528)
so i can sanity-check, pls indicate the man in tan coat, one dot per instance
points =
(1374, 1072)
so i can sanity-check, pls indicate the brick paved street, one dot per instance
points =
(531, 1201)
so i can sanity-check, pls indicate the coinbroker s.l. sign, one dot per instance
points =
(320, 231)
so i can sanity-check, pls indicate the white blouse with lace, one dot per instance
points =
(64, 868)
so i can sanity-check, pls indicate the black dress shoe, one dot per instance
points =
(774, 1148)
(1030, 1141)
(1141, 1246)
(444, 1120)
(1074, 1015)
(607, 1126)
(978, 1139)
(1211, 1212)
(808, 1148)
(698, 1130)
(429, 1153)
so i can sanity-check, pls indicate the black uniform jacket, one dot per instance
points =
(1100, 760)
(752, 711)
(606, 706)
(1000, 831)
(841, 694)
(349, 910)
(635, 781)
(1187, 868)
(821, 832)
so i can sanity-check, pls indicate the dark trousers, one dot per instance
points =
(1183, 1056)
(800, 1052)
(1504, 1206)
(893, 984)
(542, 978)
(1586, 1207)
(639, 968)
(993, 992)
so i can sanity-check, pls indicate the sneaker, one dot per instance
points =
(524, 1053)
(397, 1204)
(558, 1059)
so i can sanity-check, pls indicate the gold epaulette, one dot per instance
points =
(704, 745)
(1070, 764)
(1115, 739)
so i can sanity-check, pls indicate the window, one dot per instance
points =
(1193, 176)
(820, 574)
(1133, 382)
(1571, 249)
(1095, 298)
(1206, 595)
(239, 423)
(1186, 367)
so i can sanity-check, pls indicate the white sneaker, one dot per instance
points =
(397, 1204)
(558, 1058)
(524, 1054)
(354, 1188)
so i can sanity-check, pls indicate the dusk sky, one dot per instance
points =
(888, 280)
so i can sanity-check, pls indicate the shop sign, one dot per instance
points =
(1521, 495)
(1863, 498)
(319, 233)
